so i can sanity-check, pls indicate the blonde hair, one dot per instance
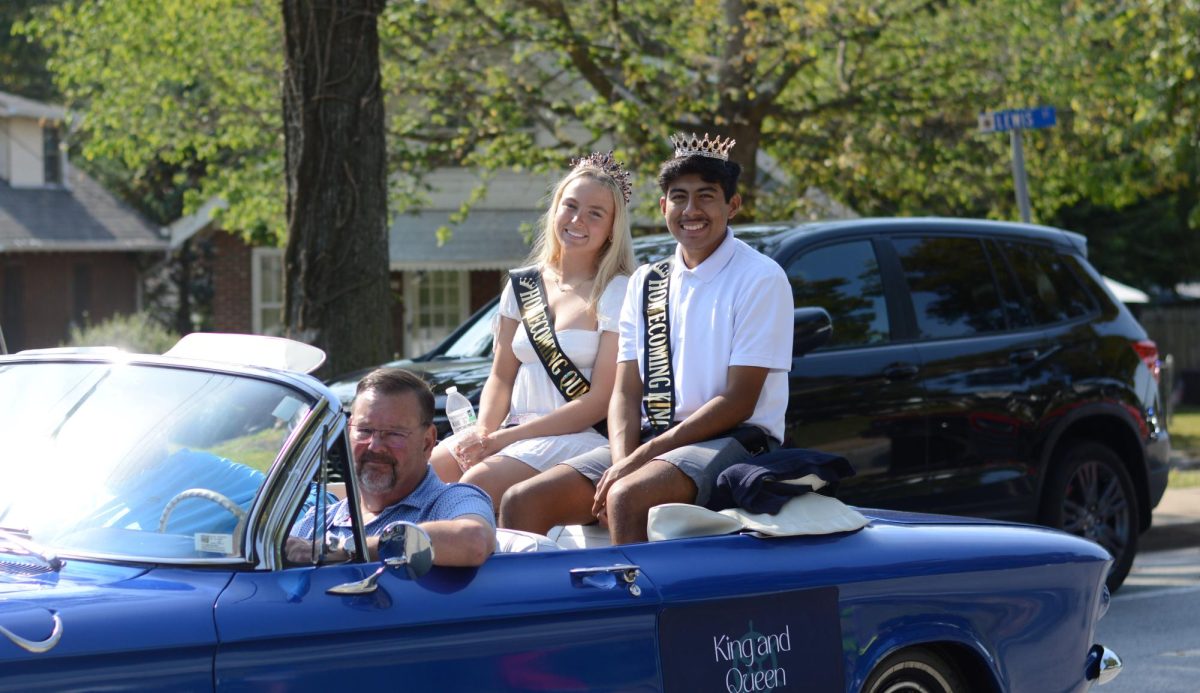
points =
(616, 258)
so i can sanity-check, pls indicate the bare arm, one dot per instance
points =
(465, 541)
(576, 415)
(719, 414)
(625, 411)
(496, 398)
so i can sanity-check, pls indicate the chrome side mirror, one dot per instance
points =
(402, 544)
(406, 544)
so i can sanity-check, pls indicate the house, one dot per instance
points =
(70, 252)
(436, 285)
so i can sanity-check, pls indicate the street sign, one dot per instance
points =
(1018, 119)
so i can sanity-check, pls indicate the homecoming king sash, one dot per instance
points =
(658, 388)
(539, 326)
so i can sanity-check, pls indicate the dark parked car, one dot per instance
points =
(976, 368)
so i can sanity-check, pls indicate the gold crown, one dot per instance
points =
(690, 144)
(606, 164)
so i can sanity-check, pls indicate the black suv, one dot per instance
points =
(975, 368)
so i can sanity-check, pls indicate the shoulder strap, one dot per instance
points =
(539, 326)
(658, 385)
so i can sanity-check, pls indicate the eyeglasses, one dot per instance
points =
(390, 438)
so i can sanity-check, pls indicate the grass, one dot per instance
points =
(1185, 437)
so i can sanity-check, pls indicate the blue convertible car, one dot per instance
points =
(146, 501)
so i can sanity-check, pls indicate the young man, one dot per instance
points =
(705, 348)
(392, 434)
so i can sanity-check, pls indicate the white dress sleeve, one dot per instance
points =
(509, 307)
(608, 313)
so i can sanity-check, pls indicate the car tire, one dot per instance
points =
(1089, 494)
(915, 670)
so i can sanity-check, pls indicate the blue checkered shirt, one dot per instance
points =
(432, 499)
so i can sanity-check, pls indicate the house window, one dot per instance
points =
(51, 155)
(435, 302)
(266, 278)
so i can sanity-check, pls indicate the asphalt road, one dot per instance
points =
(1154, 621)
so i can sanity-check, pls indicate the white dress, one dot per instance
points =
(534, 393)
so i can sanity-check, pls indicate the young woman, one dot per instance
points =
(546, 393)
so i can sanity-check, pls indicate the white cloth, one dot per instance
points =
(545, 452)
(534, 393)
(733, 309)
(810, 513)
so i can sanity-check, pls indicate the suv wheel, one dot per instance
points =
(1089, 494)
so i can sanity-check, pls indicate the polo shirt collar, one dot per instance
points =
(414, 499)
(713, 264)
(417, 496)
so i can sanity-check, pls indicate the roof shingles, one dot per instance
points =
(82, 216)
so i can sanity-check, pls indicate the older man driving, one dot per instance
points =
(392, 434)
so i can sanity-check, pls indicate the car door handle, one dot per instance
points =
(608, 577)
(1023, 356)
(900, 371)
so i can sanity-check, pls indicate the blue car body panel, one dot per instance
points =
(517, 623)
(123, 629)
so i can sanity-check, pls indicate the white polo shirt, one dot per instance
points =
(733, 309)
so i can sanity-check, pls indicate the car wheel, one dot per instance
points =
(1090, 494)
(916, 670)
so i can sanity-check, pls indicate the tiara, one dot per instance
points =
(610, 166)
(692, 145)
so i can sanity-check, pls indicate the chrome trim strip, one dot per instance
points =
(35, 646)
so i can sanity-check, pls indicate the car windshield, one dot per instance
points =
(476, 340)
(137, 461)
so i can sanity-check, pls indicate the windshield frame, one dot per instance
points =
(272, 496)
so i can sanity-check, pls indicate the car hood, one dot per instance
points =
(21, 580)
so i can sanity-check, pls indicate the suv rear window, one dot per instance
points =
(844, 279)
(1051, 289)
(950, 280)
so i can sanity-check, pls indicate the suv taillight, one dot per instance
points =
(1147, 351)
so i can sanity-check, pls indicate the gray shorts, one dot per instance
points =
(702, 462)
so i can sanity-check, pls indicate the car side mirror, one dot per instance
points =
(402, 544)
(406, 544)
(811, 328)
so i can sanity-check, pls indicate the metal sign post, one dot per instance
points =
(1014, 121)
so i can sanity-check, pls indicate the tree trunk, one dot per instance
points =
(337, 294)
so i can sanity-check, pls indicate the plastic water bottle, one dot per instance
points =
(459, 410)
(462, 421)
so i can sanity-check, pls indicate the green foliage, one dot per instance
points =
(1185, 431)
(136, 333)
(874, 103)
(189, 87)
(23, 62)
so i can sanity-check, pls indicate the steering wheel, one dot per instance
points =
(208, 495)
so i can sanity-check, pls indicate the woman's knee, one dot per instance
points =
(517, 507)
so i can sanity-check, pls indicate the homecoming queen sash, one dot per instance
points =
(539, 326)
(658, 389)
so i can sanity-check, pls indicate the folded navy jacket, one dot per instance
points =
(758, 485)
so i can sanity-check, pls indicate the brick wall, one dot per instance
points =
(44, 293)
(232, 302)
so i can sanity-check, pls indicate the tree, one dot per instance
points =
(338, 294)
(22, 62)
(170, 97)
(529, 83)
(873, 102)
